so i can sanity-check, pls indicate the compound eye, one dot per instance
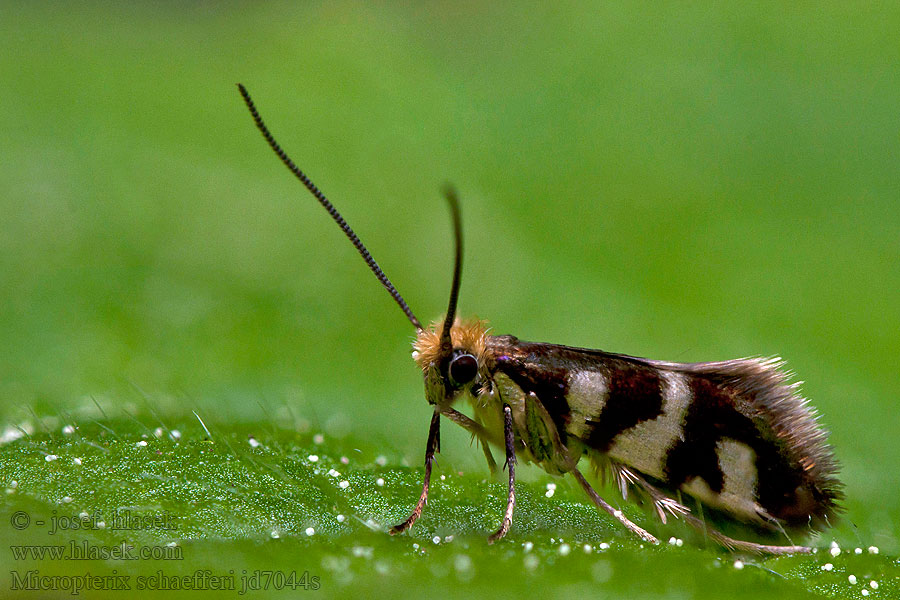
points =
(463, 369)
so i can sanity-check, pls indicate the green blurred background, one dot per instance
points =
(680, 182)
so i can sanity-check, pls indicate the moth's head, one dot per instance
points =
(451, 371)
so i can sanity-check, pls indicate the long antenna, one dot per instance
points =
(331, 211)
(453, 201)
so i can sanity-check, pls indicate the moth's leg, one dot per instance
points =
(492, 464)
(644, 535)
(571, 463)
(511, 467)
(476, 429)
(619, 474)
(661, 501)
(562, 458)
(741, 545)
(431, 447)
(600, 502)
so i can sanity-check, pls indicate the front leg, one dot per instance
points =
(477, 430)
(431, 447)
(511, 467)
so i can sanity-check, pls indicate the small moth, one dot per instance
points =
(734, 435)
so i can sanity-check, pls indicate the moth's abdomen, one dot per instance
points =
(734, 434)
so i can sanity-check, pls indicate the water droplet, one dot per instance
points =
(601, 571)
(382, 567)
(462, 563)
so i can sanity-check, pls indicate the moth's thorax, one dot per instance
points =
(469, 336)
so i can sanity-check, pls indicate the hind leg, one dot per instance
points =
(661, 501)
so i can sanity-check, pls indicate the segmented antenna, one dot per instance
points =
(453, 201)
(334, 213)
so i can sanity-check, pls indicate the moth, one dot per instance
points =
(736, 435)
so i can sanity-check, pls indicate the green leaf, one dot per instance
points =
(257, 505)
